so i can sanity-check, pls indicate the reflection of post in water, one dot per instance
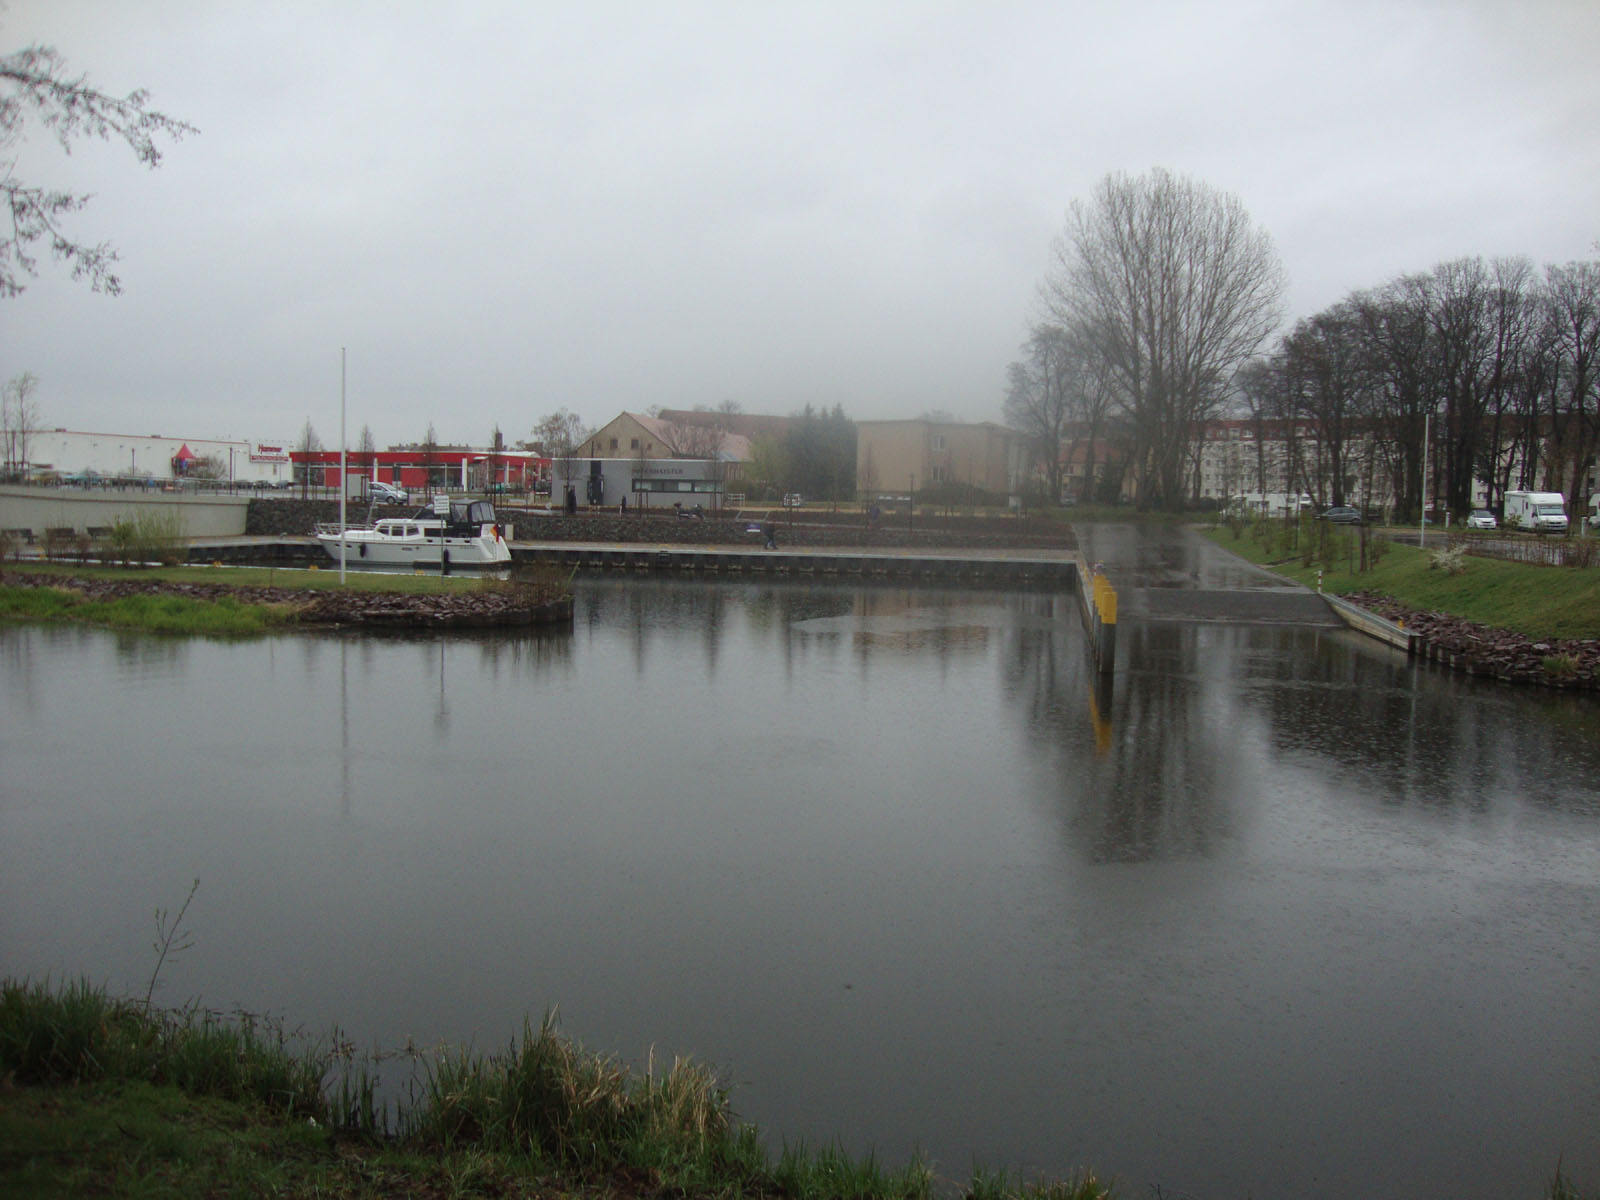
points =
(1100, 711)
(344, 730)
(441, 719)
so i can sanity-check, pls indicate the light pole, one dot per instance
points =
(1422, 487)
(344, 487)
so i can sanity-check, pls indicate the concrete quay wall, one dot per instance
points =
(293, 517)
(37, 509)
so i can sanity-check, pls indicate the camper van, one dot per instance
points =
(1540, 512)
(1594, 511)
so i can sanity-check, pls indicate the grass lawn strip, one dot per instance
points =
(1558, 603)
(220, 602)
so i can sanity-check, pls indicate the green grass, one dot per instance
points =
(223, 617)
(108, 1097)
(1542, 602)
(113, 1097)
(305, 578)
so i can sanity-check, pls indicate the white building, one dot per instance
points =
(644, 482)
(67, 452)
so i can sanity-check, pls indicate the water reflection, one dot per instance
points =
(807, 832)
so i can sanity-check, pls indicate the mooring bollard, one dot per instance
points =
(1105, 623)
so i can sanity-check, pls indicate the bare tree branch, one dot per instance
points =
(35, 85)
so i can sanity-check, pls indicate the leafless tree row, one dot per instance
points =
(1496, 361)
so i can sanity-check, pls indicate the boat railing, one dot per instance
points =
(333, 528)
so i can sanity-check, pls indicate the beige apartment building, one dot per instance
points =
(894, 457)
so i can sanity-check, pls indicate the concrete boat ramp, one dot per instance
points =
(1242, 606)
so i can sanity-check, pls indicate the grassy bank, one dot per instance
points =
(214, 601)
(223, 617)
(295, 578)
(1542, 602)
(108, 1097)
(100, 1096)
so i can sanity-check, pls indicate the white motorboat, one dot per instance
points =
(467, 536)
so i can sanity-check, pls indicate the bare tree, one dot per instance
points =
(1572, 296)
(307, 444)
(34, 84)
(1039, 393)
(700, 434)
(1179, 290)
(559, 436)
(430, 456)
(209, 467)
(1328, 379)
(19, 421)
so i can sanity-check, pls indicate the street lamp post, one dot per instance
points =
(1422, 487)
(344, 487)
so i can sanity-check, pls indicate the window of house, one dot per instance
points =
(613, 443)
(938, 441)
(633, 443)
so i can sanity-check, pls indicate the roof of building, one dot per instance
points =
(743, 424)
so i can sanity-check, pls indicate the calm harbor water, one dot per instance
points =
(1289, 916)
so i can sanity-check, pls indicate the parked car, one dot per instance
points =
(1481, 518)
(1341, 514)
(386, 493)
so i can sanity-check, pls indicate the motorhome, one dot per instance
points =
(1539, 512)
(1594, 511)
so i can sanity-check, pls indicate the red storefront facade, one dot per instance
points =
(442, 468)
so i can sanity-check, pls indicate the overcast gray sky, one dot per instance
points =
(505, 208)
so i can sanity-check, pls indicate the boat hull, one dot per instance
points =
(361, 547)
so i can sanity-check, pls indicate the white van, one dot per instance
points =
(1538, 512)
(1594, 511)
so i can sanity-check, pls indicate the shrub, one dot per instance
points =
(1583, 552)
(149, 537)
(1452, 560)
(53, 543)
(1559, 666)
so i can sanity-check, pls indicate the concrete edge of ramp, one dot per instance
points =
(1373, 625)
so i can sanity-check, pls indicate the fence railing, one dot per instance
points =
(1550, 551)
